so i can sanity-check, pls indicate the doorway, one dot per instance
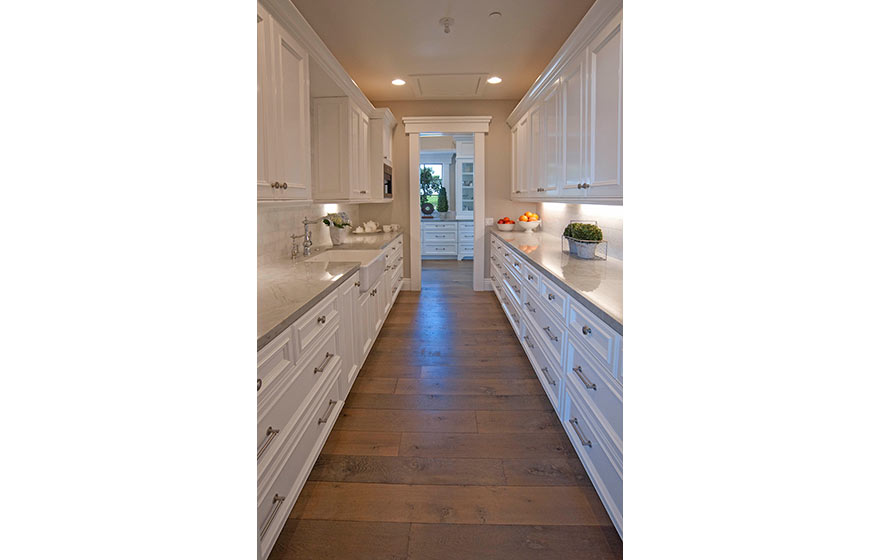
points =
(471, 202)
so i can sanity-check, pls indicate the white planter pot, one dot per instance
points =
(338, 235)
(582, 249)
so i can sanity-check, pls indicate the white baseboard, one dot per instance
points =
(405, 286)
(487, 285)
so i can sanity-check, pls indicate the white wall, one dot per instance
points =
(555, 216)
(277, 221)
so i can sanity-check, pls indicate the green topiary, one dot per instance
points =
(583, 232)
(442, 201)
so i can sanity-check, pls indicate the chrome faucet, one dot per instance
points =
(307, 242)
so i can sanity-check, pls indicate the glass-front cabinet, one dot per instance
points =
(464, 187)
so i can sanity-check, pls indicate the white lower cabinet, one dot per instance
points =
(303, 378)
(576, 357)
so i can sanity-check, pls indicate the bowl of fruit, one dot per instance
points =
(529, 221)
(505, 224)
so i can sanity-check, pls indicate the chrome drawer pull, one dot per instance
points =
(529, 307)
(550, 334)
(587, 331)
(327, 358)
(580, 373)
(358, 283)
(531, 277)
(322, 319)
(577, 430)
(276, 505)
(551, 297)
(515, 288)
(259, 383)
(546, 373)
(270, 435)
(528, 342)
(505, 275)
(329, 410)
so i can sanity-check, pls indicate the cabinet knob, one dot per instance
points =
(358, 283)
(284, 186)
(587, 330)
(322, 319)
(551, 297)
(259, 383)
(363, 192)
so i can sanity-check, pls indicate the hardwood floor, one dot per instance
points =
(447, 447)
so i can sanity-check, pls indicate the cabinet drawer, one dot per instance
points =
(276, 499)
(548, 374)
(439, 249)
(466, 226)
(531, 278)
(601, 458)
(516, 264)
(511, 309)
(466, 236)
(595, 335)
(548, 329)
(513, 285)
(441, 236)
(288, 403)
(602, 392)
(555, 298)
(273, 360)
(441, 226)
(312, 327)
(466, 248)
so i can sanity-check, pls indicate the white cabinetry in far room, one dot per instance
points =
(283, 128)
(567, 130)
(304, 376)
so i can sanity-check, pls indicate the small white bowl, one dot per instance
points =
(529, 226)
(505, 227)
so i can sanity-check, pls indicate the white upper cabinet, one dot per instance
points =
(340, 150)
(283, 137)
(567, 131)
(606, 112)
(381, 133)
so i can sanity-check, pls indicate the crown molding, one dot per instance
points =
(413, 125)
(386, 114)
(293, 21)
(596, 18)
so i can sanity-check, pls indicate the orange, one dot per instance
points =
(533, 219)
(524, 218)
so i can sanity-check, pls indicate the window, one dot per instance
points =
(431, 178)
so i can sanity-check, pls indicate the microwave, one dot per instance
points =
(386, 182)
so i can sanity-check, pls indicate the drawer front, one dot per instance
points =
(439, 236)
(466, 234)
(275, 413)
(511, 309)
(273, 360)
(310, 329)
(595, 335)
(517, 264)
(602, 392)
(547, 373)
(466, 248)
(276, 499)
(466, 226)
(531, 278)
(440, 249)
(441, 226)
(548, 329)
(602, 460)
(513, 285)
(555, 298)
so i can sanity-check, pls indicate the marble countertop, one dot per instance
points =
(596, 284)
(286, 290)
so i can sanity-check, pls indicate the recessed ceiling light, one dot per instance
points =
(397, 82)
(494, 80)
(495, 15)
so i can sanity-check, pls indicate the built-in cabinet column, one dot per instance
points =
(606, 112)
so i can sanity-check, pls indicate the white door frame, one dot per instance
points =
(479, 126)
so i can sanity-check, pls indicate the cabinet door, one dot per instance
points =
(364, 156)
(551, 142)
(574, 122)
(264, 105)
(523, 153)
(292, 158)
(514, 162)
(464, 186)
(365, 324)
(606, 114)
(357, 143)
(331, 149)
(536, 152)
(379, 304)
(348, 327)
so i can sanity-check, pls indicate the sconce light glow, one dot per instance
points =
(397, 82)
(494, 80)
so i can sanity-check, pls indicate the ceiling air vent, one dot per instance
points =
(447, 86)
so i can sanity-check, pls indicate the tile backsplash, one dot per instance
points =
(555, 216)
(277, 221)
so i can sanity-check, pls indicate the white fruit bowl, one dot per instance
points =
(529, 226)
(505, 227)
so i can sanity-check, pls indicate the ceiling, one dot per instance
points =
(379, 40)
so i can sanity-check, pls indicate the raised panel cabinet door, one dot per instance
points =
(514, 159)
(364, 322)
(522, 155)
(535, 170)
(293, 156)
(606, 112)
(358, 179)
(574, 124)
(364, 155)
(348, 328)
(264, 106)
(551, 140)
(329, 175)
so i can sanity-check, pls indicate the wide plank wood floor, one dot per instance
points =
(447, 447)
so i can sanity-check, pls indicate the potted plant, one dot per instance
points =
(442, 202)
(583, 239)
(337, 224)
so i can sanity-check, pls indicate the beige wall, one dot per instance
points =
(498, 203)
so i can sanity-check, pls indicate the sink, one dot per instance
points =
(372, 263)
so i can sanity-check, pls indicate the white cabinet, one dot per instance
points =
(606, 112)
(348, 310)
(283, 128)
(567, 132)
(382, 124)
(340, 150)
(464, 186)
